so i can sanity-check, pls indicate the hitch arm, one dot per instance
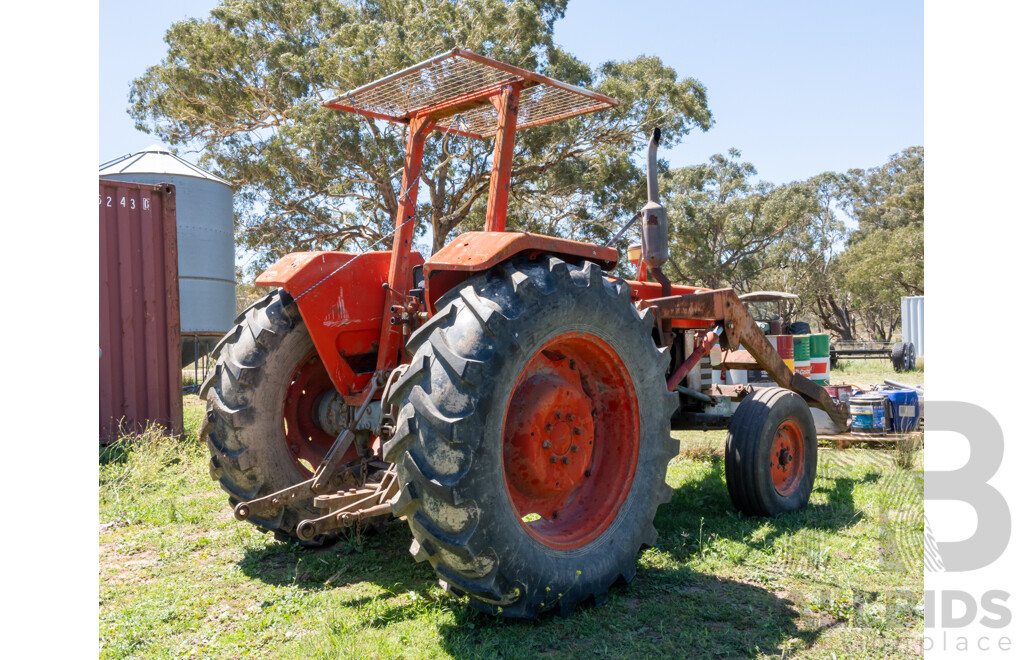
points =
(352, 506)
(724, 307)
(324, 479)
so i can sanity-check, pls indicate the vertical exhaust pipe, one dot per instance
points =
(652, 167)
(654, 219)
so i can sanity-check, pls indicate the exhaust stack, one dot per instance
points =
(654, 219)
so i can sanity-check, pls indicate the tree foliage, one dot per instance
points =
(809, 255)
(723, 226)
(245, 87)
(850, 245)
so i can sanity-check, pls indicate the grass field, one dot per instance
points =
(179, 577)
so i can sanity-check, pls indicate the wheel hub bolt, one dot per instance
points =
(548, 427)
(574, 449)
(570, 417)
(546, 444)
(558, 414)
(577, 430)
(553, 458)
(565, 460)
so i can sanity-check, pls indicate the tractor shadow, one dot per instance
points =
(701, 511)
(662, 613)
(669, 610)
(376, 557)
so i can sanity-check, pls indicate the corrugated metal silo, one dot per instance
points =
(206, 244)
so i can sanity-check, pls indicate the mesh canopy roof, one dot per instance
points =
(454, 87)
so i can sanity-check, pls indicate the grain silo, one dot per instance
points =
(206, 243)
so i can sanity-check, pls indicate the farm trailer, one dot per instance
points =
(505, 396)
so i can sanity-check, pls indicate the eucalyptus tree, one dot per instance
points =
(724, 224)
(884, 259)
(244, 88)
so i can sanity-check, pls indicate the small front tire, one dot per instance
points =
(771, 453)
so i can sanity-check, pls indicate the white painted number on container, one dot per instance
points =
(126, 202)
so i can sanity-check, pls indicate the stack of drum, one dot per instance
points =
(706, 380)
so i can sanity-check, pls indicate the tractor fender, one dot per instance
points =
(340, 296)
(476, 251)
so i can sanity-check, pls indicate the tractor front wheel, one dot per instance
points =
(532, 437)
(771, 453)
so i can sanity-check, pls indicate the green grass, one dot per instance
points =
(178, 576)
(873, 372)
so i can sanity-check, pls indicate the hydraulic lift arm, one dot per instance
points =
(723, 307)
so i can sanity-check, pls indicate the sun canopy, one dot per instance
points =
(455, 89)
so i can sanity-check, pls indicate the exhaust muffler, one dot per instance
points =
(653, 217)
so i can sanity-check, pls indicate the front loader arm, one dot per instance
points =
(724, 307)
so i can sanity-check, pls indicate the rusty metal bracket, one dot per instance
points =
(348, 507)
(723, 306)
(322, 476)
(326, 478)
(300, 491)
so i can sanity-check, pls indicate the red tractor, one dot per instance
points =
(506, 397)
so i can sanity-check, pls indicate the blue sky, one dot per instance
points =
(798, 87)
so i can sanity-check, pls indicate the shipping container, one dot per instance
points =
(140, 332)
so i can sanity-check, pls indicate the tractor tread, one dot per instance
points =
(440, 402)
(236, 429)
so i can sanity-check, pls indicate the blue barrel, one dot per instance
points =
(869, 413)
(903, 410)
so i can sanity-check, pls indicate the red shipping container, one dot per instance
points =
(140, 331)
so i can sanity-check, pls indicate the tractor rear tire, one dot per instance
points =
(244, 426)
(532, 437)
(771, 453)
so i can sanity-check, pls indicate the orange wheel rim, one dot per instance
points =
(306, 442)
(787, 457)
(571, 440)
